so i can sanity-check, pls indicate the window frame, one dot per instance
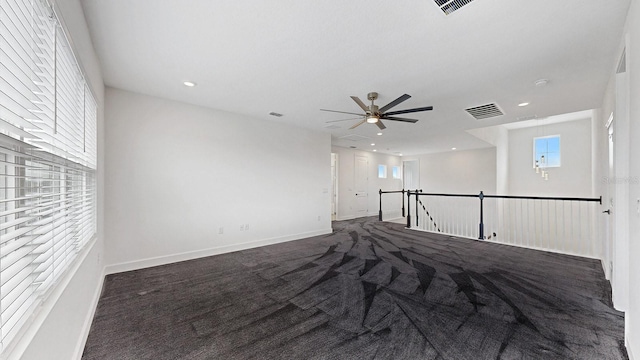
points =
(535, 152)
(382, 171)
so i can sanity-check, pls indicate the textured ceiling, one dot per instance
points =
(253, 57)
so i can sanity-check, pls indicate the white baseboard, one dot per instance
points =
(190, 255)
(22, 341)
(86, 327)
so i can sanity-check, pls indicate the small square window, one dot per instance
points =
(546, 151)
(382, 171)
(395, 172)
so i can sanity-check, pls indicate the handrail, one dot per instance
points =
(599, 199)
(481, 196)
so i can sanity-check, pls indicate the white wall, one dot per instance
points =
(497, 136)
(60, 328)
(572, 179)
(177, 173)
(391, 203)
(632, 35)
(466, 172)
(633, 67)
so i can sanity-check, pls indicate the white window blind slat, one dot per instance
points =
(48, 157)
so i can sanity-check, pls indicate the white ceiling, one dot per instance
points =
(253, 57)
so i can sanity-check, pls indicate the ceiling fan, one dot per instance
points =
(374, 114)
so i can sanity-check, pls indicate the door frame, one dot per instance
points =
(620, 184)
(358, 194)
(335, 159)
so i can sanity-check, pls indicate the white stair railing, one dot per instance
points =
(565, 225)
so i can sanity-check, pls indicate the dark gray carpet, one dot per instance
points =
(371, 290)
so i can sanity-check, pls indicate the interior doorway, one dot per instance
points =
(619, 186)
(411, 174)
(609, 202)
(361, 186)
(334, 186)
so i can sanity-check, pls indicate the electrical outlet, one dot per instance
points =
(220, 230)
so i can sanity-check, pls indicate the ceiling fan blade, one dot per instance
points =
(342, 112)
(395, 102)
(380, 124)
(399, 119)
(426, 108)
(332, 121)
(360, 103)
(358, 124)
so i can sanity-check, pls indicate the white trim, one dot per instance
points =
(628, 346)
(606, 270)
(23, 339)
(84, 333)
(190, 255)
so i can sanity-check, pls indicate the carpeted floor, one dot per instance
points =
(371, 290)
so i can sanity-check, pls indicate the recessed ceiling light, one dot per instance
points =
(523, 104)
(373, 144)
(400, 154)
(379, 134)
(453, 148)
(374, 150)
(189, 84)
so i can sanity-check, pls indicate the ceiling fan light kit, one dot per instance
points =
(374, 114)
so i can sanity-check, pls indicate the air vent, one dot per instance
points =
(354, 137)
(485, 111)
(275, 114)
(449, 6)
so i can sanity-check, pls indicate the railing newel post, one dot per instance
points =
(481, 197)
(380, 208)
(417, 221)
(408, 209)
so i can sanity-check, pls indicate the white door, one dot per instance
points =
(334, 186)
(411, 169)
(609, 203)
(619, 184)
(361, 186)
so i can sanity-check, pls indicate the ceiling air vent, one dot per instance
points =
(485, 111)
(449, 6)
(353, 137)
(275, 114)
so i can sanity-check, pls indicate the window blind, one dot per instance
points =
(48, 157)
